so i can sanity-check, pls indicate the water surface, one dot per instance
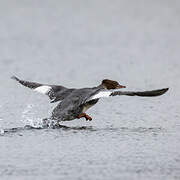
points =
(77, 44)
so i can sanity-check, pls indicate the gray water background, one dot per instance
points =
(77, 44)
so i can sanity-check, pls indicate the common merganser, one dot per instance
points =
(75, 102)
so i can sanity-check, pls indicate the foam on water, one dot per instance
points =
(1, 129)
(29, 118)
(36, 109)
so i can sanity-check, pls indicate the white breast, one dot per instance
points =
(101, 94)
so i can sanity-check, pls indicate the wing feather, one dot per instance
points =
(152, 93)
(103, 93)
(54, 92)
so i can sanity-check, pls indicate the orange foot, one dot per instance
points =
(88, 118)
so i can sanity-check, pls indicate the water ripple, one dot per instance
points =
(83, 128)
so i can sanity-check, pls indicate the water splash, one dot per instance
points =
(1, 129)
(31, 116)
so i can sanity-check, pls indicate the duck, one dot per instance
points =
(73, 103)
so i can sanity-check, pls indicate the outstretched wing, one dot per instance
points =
(152, 93)
(55, 92)
(106, 93)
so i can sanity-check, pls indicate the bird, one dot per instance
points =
(73, 103)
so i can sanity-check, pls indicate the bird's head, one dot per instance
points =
(110, 84)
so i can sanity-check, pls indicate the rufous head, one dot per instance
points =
(110, 84)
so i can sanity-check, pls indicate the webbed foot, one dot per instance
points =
(88, 118)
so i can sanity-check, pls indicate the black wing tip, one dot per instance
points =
(15, 78)
(161, 92)
(164, 90)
